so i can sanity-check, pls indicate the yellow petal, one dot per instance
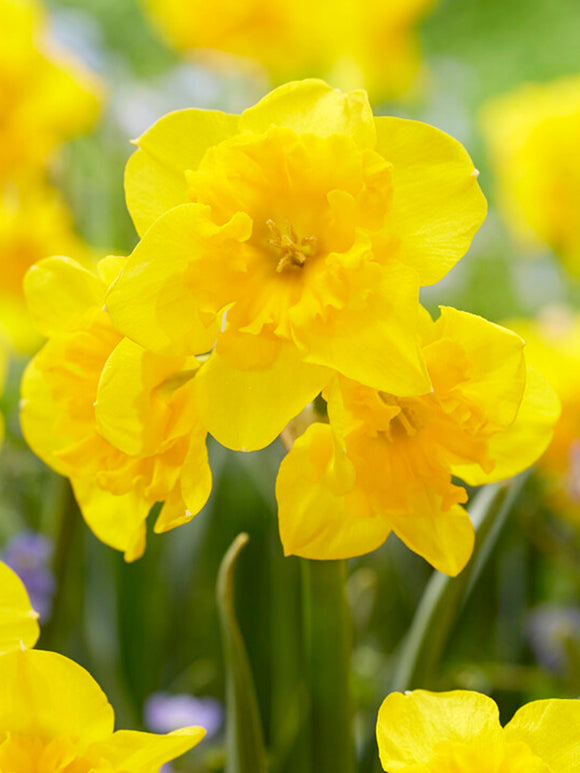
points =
(443, 538)
(117, 520)
(59, 291)
(377, 344)
(313, 106)
(411, 726)
(145, 752)
(155, 174)
(497, 369)
(522, 443)
(47, 695)
(151, 302)
(18, 626)
(247, 409)
(316, 519)
(551, 728)
(437, 203)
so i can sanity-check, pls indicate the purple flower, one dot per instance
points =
(165, 712)
(29, 554)
(552, 631)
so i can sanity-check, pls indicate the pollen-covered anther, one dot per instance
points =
(292, 250)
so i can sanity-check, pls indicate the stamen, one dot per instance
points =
(293, 252)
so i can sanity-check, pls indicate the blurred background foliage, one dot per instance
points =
(153, 625)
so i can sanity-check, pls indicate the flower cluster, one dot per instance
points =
(280, 258)
(45, 99)
(459, 731)
(372, 44)
(54, 716)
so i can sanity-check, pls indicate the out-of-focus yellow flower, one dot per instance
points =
(45, 96)
(120, 422)
(459, 731)
(533, 137)
(18, 626)
(373, 44)
(312, 224)
(385, 463)
(553, 346)
(34, 223)
(54, 716)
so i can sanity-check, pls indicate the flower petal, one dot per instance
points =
(47, 695)
(246, 409)
(117, 520)
(411, 726)
(313, 106)
(377, 344)
(443, 538)
(551, 728)
(437, 202)
(155, 174)
(146, 752)
(317, 519)
(59, 291)
(521, 444)
(18, 626)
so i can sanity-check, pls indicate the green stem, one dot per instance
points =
(327, 631)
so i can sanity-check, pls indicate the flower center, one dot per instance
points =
(291, 251)
(410, 418)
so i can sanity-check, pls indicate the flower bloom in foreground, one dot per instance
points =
(533, 137)
(53, 715)
(385, 463)
(120, 422)
(45, 98)
(460, 732)
(313, 225)
(553, 346)
(371, 43)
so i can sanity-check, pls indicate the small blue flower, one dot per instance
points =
(165, 712)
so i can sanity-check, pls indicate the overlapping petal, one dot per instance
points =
(18, 621)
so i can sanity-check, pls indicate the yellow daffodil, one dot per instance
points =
(298, 233)
(54, 717)
(119, 421)
(460, 732)
(553, 346)
(385, 463)
(372, 44)
(18, 626)
(34, 223)
(533, 138)
(45, 96)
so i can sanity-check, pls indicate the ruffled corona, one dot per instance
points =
(385, 463)
(313, 225)
(459, 731)
(120, 422)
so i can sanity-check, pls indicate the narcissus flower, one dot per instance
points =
(120, 422)
(18, 626)
(533, 137)
(553, 346)
(459, 731)
(372, 44)
(53, 715)
(385, 463)
(45, 96)
(22, 245)
(297, 233)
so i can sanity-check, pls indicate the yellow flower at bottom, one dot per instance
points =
(385, 463)
(120, 422)
(54, 718)
(460, 732)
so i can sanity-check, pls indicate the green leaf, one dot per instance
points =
(444, 596)
(244, 738)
